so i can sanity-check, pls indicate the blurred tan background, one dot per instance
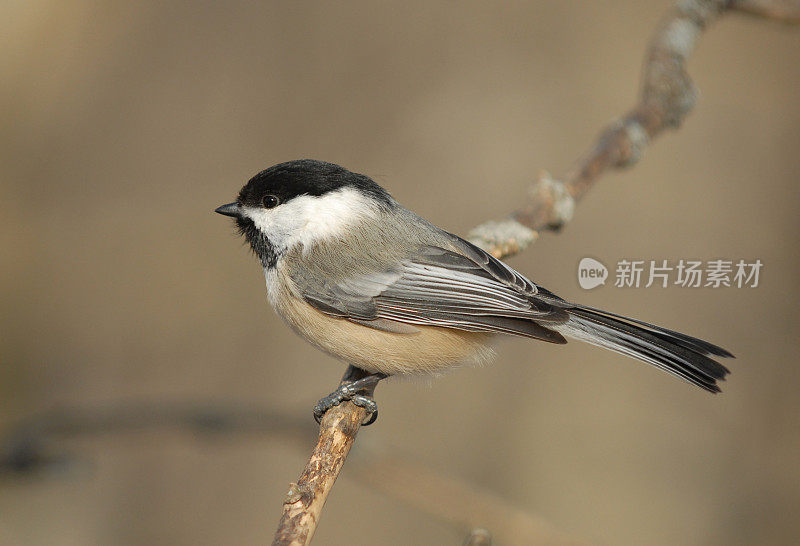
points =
(123, 125)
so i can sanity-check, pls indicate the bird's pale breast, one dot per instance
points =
(429, 349)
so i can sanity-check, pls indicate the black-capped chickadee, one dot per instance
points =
(371, 283)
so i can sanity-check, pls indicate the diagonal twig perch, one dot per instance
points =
(305, 499)
(667, 96)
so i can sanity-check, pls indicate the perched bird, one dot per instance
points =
(369, 282)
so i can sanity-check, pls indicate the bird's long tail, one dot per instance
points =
(683, 356)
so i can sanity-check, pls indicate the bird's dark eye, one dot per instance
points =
(271, 201)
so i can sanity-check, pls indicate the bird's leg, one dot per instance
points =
(358, 386)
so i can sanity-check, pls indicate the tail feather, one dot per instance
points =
(704, 347)
(676, 353)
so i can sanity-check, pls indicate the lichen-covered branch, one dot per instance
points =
(667, 95)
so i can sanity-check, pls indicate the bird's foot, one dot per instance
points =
(358, 391)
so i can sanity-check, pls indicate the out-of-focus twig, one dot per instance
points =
(37, 445)
(667, 95)
(787, 11)
(33, 444)
(479, 537)
(463, 505)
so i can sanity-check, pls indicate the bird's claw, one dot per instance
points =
(370, 405)
(359, 392)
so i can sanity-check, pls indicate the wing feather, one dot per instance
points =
(466, 290)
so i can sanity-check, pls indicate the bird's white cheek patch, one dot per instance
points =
(307, 218)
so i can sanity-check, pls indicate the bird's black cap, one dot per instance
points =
(307, 177)
(285, 181)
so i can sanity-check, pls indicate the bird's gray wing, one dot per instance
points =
(465, 289)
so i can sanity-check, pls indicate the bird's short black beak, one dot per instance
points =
(231, 209)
